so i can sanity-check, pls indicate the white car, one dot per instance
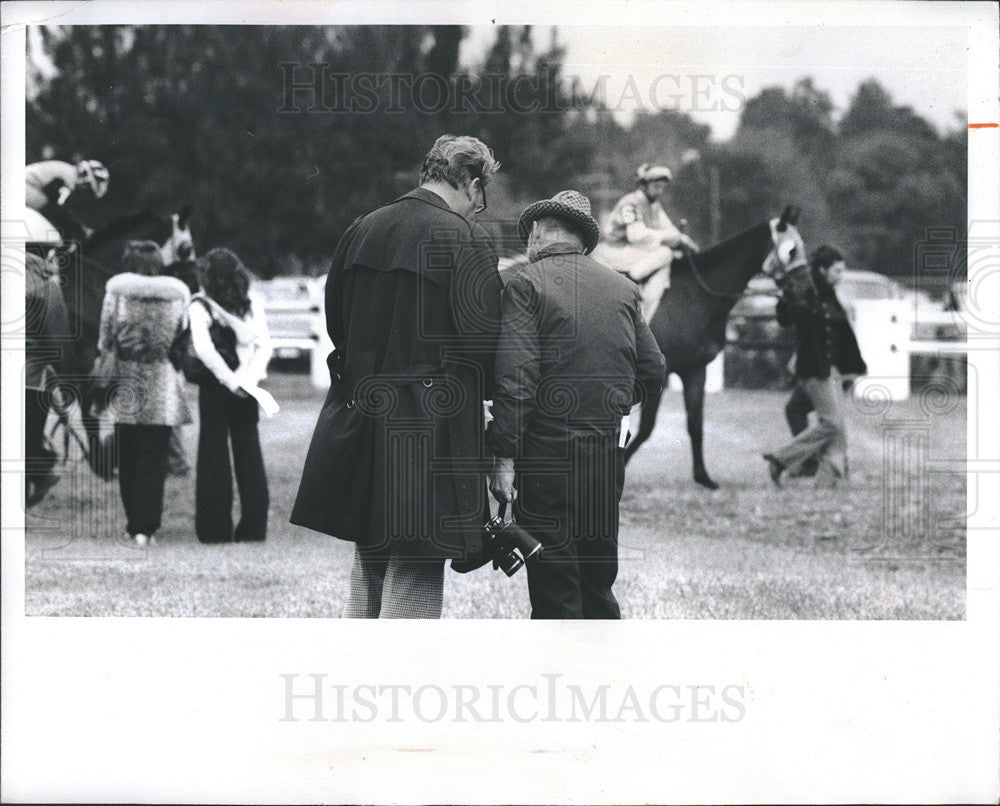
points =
(291, 305)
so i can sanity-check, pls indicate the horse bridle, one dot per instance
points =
(730, 295)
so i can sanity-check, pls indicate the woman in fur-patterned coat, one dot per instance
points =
(142, 315)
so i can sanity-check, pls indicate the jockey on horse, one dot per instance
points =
(51, 228)
(642, 240)
(50, 183)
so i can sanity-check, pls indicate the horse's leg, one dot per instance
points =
(101, 455)
(647, 419)
(39, 460)
(694, 406)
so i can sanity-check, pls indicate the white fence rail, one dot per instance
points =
(885, 331)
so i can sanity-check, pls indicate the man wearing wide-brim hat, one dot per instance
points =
(575, 354)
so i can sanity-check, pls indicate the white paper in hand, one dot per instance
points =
(268, 405)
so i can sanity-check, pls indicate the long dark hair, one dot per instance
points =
(226, 280)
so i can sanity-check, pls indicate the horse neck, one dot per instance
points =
(727, 267)
(141, 225)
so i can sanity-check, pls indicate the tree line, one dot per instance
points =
(228, 118)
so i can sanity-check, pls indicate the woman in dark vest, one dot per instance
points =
(227, 406)
(824, 340)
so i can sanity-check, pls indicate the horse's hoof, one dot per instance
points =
(705, 481)
(39, 488)
(774, 469)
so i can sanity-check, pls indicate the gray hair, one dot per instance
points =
(553, 228)
(457, 160)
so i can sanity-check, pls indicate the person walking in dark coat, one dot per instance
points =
(824, 340)
(185, 268)
(397, 461)
(575, 355)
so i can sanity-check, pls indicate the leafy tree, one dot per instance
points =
(805, 115)
(893, 179)
(195, 113)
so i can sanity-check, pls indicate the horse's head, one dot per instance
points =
(788, 252)
(179, 245)
(787, 263)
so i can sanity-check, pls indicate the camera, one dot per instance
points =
(510, 544)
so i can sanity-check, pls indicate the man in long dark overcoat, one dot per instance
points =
(397, 461)
(575, 355)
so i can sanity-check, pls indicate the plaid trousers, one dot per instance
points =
(825, 440)
(389, 585)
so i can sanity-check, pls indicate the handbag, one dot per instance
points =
(106, 373)
(184, 357)
(104, 376)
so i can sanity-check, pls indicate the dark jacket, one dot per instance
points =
(575, 352)
(185, 271)
(823, 335)
(412, 307)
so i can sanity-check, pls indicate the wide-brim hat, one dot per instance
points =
(568, 206)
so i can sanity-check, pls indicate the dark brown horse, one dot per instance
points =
(690, 323)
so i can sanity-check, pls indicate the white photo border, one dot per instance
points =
(156, 710)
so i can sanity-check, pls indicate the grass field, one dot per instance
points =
(889, 545)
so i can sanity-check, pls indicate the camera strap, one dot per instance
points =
(502, 512)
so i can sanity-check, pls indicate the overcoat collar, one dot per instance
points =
(429, 196)
(553, 249)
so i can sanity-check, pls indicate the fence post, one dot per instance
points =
(883, 329)
(319, 372)
(714, 373)
(713, 376)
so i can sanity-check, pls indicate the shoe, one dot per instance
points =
(828, 476)
(152, 539)
(775, 468)
(39, 488)
(141, 540)
(807, 469)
